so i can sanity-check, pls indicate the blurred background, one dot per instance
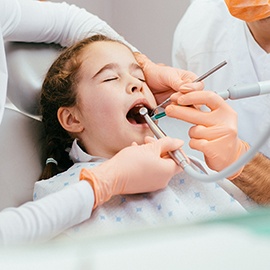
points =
(147, 24)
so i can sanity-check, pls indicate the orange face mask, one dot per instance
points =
(249, 10)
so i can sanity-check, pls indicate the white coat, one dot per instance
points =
(207, 35)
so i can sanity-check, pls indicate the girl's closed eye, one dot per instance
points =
(142, 79)
(110, 79)
(139, 75)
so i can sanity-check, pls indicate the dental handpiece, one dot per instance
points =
(178, 156)
(239, 91)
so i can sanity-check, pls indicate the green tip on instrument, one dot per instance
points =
(158, 116)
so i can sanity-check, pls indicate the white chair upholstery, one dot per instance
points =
(21, 158)
(27, 65)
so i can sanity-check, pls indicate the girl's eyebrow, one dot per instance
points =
(135, 66)
(114, 66)
(110, 66)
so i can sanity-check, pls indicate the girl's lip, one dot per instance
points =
(143, 102)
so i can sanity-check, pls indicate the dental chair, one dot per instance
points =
(21, 135)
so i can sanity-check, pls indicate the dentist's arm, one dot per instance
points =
(42, 220)
(50, 22)
(255, 179)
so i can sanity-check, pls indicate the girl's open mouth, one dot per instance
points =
(134, 116)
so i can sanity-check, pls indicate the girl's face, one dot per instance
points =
(111, 90)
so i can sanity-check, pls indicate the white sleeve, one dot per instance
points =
(44, 219)
(36, 21)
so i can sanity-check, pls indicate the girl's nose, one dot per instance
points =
(135, 86)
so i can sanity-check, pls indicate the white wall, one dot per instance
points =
(146, 24)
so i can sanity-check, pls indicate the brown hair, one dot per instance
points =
(59, 89)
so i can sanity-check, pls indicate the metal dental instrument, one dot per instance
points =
(205, 75)
(211, 71)
(176, 155)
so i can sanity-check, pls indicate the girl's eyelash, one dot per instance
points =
(110, 79)
(115, 78)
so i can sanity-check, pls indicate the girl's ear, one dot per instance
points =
(68, 119)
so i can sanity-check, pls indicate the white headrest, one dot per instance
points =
(27, 65)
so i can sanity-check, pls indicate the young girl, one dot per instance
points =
(90, 102)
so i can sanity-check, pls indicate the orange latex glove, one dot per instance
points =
(165, 80)
(135, 169)
(215, 131)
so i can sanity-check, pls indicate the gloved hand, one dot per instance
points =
(215, 131)
(135, 169)
(165, 80)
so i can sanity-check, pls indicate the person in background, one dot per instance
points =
(237, 31)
